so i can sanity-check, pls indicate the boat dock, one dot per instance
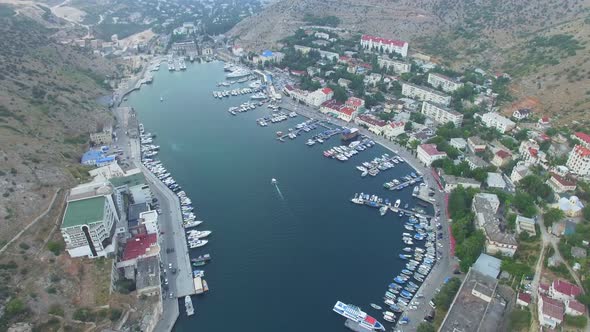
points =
(293, 133)
(379, 204)
(403, 185)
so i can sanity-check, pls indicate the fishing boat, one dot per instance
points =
(188, 303)
(374, 306)
(202, 258)
(383, 210)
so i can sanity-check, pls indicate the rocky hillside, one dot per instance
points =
(47, 108)
(542, 44)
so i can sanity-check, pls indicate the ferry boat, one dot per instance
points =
(355, 314)
(188, 303)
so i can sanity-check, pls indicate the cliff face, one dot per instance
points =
(541, 44)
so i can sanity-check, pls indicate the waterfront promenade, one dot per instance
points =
(445, 264)
(172, 233)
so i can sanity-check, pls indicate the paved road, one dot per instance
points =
(172, 233)
(445, 265)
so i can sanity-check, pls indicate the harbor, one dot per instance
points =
(310, 194)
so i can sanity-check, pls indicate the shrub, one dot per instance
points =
(56, 309)
(55, 247)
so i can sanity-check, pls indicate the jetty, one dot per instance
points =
(401, 185)
(302, 127)
(376, 202)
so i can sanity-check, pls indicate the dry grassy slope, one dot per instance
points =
(47, 94)
(459, 32)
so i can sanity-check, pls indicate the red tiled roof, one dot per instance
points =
(544, 119)
(355, 102)
(298, 72)
(525, 297)
(543, 287)
(577, 306)
(372, 120)
(431, 149)
(582, 151)
(138, 245)
(583, 137)
(503, 154)
(397, 124)
(332, 104)
(563, 181)
(566, 288)
(347, 110)
(533, 152)
(398, 43)
(552, 308)
(327, 91)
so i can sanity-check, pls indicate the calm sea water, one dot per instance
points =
(280, 261)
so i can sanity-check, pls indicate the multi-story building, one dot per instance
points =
(315, 98)
(561, 184)
(354, 102)
(385, 45)
(524, 224)
(501, 158)
(89, 221)
(458, 143)
(476, 144)
(397, 66)
(445, 83)
(522, 113)
(269, 56)
(579, 160)
(519, 172)
(322, 35)
(531, 154)
(394, 129)
(441, 114)
(103, 137)
(337, 110)
(372, 123)
(428, 153)
(498, 240)
(583, 138)
(425, 94)
(495, 120)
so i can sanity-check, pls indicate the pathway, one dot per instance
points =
(17, 236)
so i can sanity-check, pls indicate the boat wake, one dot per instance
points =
(279, 191)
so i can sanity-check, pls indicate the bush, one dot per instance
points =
(445, 297)
(519, 319)
(56, 309)
(425, 327)
(576, 321)
(55, 247)
(83, 314)
(14, 307)
(115, 314)
(24, 246)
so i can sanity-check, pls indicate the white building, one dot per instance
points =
(521, 114)
(337, 110)
(149, 219)
(89, 221)
(427, 153)
(386, 45)
(458, 143)
(441, 114)
(397, 66)
(425, 94)
(445, 83)
(530, 153)
(579, 160)
(519, 172)
(495, 180)
(550, 311)
(394, 129)
(322, 35)
(495, 120)
(524, 224)
(315, 98)
(372, 123)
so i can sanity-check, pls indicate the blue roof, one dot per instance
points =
(267, 53)
(92, 155)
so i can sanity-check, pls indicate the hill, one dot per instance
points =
(47, 109)
(540, 44)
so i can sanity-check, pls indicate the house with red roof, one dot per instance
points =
(140, 246)
(579, 160)
(386, 45)
(563, 290)
(531, 154)
(523, 299)
(543, 122)
(583, 138)
(427, 153)
(574, 308)
(501, 158)
(561, 184)
(550, 311)
(338, 110)
(354, 102)
(371, 122)
(394, 129)
(297, 73)
(544, 288)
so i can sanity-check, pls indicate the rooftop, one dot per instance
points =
(148, 273)
(130, 180)
(583, 137)
(398, 43)
(84, 211)
(526, 298)
(552, 308)
(135, 210)
(582, 151)
(566, 288)
(372, 120)
(503, 154)
(468, 311)
(139, 245)
(495, 180)
(487, 265)
(427, 89)
(577, 306)
(451, 179)
(431, 150)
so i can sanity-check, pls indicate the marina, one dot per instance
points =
(275, 225)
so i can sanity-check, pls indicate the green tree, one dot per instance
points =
(447, 293)
(576, 321)
(15, 306)
(339, 93)
(417, 117)
(425, 327)
(470, 249)
(519, 320)
(525, 204)
(552, 215)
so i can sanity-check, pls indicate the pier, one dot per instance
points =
(403, 185)
(377, 204)
(297, 131)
